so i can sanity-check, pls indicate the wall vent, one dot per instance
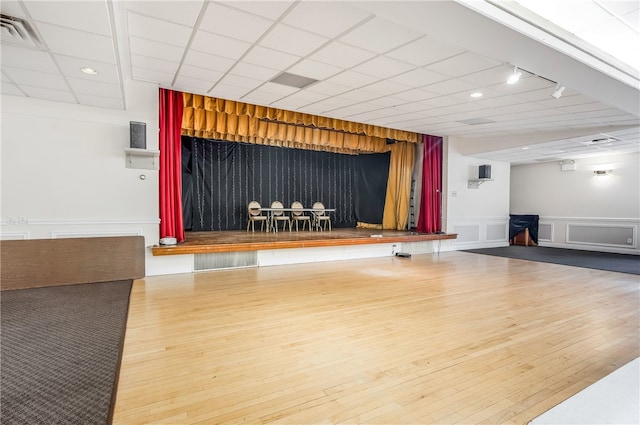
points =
(18, 31)
(225, 260)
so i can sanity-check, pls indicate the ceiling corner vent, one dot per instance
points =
(293, 80)
(18, 31)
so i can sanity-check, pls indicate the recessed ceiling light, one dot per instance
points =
(89, 71)
(525, 148)
(476, 94)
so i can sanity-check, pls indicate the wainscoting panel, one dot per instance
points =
(497, 232)
(479, 232)
(607, 234)
(545, 232)
(467, 233)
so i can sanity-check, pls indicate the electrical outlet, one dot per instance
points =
(629, 241)
(454, 194)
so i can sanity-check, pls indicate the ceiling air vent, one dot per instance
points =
(18, 31)
(293, 80)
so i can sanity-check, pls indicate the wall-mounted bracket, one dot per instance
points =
(142, 158)
(475, 184)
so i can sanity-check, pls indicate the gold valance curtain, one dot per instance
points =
(212, 118)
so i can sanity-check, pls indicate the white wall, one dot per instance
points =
(565, 199)
(63, 169)
(479, 215)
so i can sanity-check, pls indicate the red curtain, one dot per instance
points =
(429, 220)
(171, 220)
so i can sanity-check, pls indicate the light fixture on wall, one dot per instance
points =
(514, 77)
(558, 91)
(602, 173)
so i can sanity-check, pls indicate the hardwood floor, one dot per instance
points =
(454, 338)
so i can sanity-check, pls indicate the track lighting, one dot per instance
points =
(558, 91)
(513, 78)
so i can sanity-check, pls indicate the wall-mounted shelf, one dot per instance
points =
(475, 183)
(142, 158)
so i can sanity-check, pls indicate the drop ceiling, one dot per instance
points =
(405, 65)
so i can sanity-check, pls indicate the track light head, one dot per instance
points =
(558, 91)
(513, 78)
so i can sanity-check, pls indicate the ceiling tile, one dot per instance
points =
(11, 89)
(154, 49)
(205, 60)
(25, 58)
(192, 85)
(271, 9)
(221, 19)
(180, 12)
(451, 86)
(313, 69)
(138, 61)
(95, 15)
(215, 44)
(343, 55)
(425, 51)
(270, 58)
(415, 95)
(280, 90)
(359, 95)
(419, 77)
(242, 82)
(249, 70)
(12, 8)
(292, 40)
(352, 79)
(72, 67)
(35, 78)
(94, 88)
(493, 76)
(226, 91)
(48, 94)
(205, 74)
(78, 44)
(463, 64)
(327, 88)
(383, 67)
(379, 35)
(329, 19)
(386, 88)
(158, 30)
(152, 75)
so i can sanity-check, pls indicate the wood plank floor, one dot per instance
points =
(435, 339)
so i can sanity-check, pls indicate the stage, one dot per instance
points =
(240, 240)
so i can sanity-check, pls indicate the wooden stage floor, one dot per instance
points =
(240, 240)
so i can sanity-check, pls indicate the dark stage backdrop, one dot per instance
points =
(220, 178)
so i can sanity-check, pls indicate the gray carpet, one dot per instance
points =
(623, 263)
(61, 350)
